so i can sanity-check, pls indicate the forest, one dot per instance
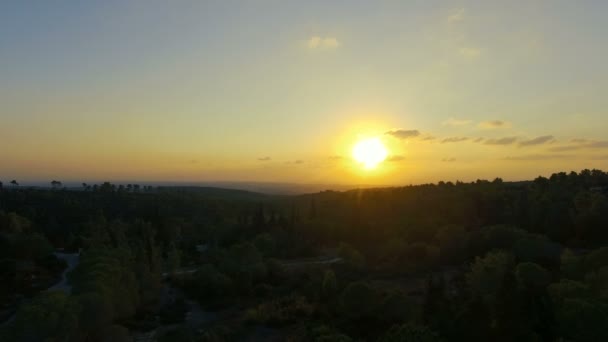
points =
(488, 260)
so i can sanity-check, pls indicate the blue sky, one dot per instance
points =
(199, 90)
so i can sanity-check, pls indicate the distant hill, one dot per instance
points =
(216, 193)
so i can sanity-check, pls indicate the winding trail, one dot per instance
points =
(72, 260)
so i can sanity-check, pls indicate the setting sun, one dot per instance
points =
(370, 152)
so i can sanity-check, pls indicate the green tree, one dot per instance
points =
(532, 276)
(330, 284)
(352, 257)
(95, 315)
(173, 258)
(359, 300)
(50, 316)
(487, 273)
(410, 333)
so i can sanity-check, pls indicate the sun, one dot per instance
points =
(370, 152)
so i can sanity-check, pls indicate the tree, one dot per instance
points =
(50, 316)
(359, 300)
(330, 284)
(210, 285)
(14, 183)
(351, 256)
(487, 273)
(173, 258)
(532, 276)
(32, 246)
(95, 315)
(410, 333)
(538, 249)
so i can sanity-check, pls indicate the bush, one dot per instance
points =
(351, 256)
(330, 284)
(210, 284)
(281, 311)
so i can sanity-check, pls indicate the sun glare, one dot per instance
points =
(370, 152)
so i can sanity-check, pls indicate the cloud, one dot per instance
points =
(588, 144)
(395, 158)
(492, 124)
(579, 141)
(316, 42)
(454, 140)
(448, 160)
(264, 159)
(456, 16)
(537, 141)
(469, 52)
(598, 144)
(565, 148)
(296, 162)
(478, 140)
(533, 157)
(455, 122)
(501, 141)
(335, 158)
(428, 138)
(404, 134)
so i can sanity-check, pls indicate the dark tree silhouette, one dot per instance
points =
(14, 182)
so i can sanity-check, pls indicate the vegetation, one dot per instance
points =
(487, 260)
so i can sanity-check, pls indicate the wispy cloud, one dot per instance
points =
(580, 145)
(455, 122)
(537, 141)
(493, 124)
(395, 158)
(317, 42)
(564, 148)
(598, 144)
(454, 140)
(448, 160)
(403, 133)
(478, 140)
(264, 159)
(456, 16)
(501, 141)
(428, 138)
(535, 157)
(296, 162)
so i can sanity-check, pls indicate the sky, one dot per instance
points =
(279, 91)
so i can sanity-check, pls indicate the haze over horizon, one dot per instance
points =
(273, 91)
